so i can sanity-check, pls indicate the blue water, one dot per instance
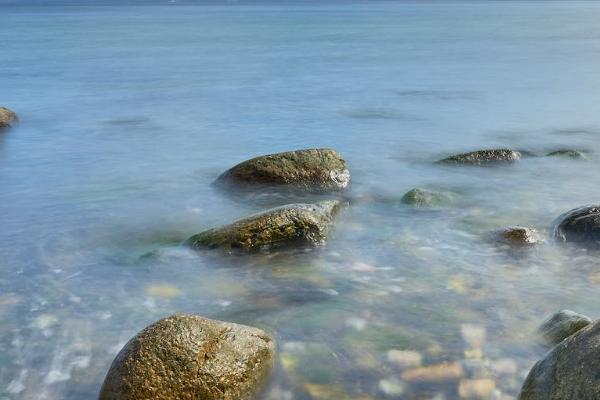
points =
(128, 113)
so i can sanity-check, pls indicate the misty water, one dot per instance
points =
(129, 113)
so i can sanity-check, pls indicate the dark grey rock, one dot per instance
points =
(483, 157)
(561, 325)
(570, 371)
(567, 153)
(580, 225)
(426, 198)
(188, 357)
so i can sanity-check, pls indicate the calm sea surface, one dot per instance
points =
(130, 112)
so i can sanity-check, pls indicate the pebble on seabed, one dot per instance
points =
(434, 373)
(404, 358)
(476, 389)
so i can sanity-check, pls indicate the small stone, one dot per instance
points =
(520, 236)
(505, 366)
(473, 335)
(426, 198)
(483, 157)
(163, 291)
(476, 389)
(561, 325)
(404, 358)
(392, 386)
(567, 153)
(434, 373)
(8, 118)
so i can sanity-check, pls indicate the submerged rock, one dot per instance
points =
(519, 236)
(426, 198)
(483, 157)
(8, 118)
(190, 357)
(570, 371)
(310, 169)
(567, 153)
(581, 225)
(293, 223)
(561, 325)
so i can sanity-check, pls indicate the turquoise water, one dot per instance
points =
(130, 112)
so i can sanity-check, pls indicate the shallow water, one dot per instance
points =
(129, 113)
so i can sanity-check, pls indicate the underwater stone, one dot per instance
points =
(567, 153)
(580, 225)
(310, 169)
(570, 371)
(561, 325)
(425, 198)
(483, 157)
(293, 223)
(519, 236)
(8, 118)
(191, 357)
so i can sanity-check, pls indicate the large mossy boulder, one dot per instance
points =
(561, 325)
(310, 169)
(426, 198)
(189, 357)
(483, 157)
(285, 225)
(580, 225)
(570, 371)
(8, 118)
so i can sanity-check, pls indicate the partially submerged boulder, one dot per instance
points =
(292, 223)
(567, 153)
(519, 236)
(310, 169)
(426, 198)
(483, 157)
(8, 118)
(580, 225)
(561, 325)
(191, 357)
(570, 371)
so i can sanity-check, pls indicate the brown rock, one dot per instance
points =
(8, 118)
(187, 357)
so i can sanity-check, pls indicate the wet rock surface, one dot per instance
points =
(426, 198)
(561, 325)
(518, 236)
(293, 223)
(483, 157)
(570, 371)
(190, 357)
(8, 118)
(310, 169)
(581, 225)
(567, 153)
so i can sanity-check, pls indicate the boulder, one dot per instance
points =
(310, 169)
(8, 118)
(561, 325)
(426, 198)
(519, 236)
(190, 357)
(483, 157)
(567, 153)
(570, 371)
(580, 225)
(292, 223)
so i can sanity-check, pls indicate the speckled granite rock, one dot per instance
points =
(483, 157)
(293, 223)
(187, 357)
(310, 169)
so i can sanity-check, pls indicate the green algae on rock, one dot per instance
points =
(8, 118)
(569, 371)
(190, 357)
(292, 223)
(561, 325)
(310, 169)
(426, 198)
(483, 157)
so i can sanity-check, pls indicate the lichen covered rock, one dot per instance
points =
(570, 371)
(426, 198)
(310, 169)
(561, 325)
(187, 357)
(293, 223)
(8, 118)
(581, 225)
(483, 157)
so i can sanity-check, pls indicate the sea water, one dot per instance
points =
(129, 113)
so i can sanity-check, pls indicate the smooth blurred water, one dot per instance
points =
(130, 112)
